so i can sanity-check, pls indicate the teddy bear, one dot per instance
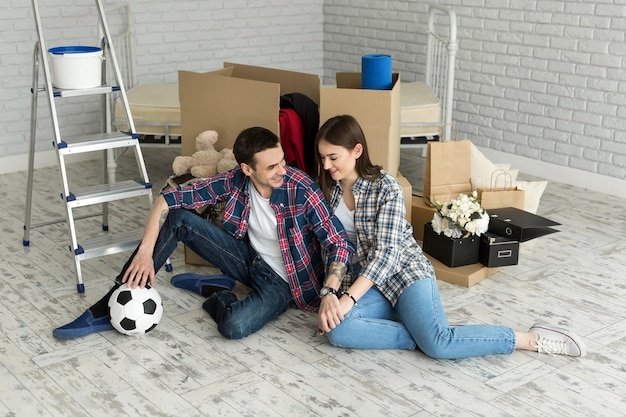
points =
(206, 161)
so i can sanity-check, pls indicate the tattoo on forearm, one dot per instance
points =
(338, 269)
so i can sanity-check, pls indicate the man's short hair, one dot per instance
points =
(252, 141)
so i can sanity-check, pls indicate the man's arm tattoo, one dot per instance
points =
(162, 218)
(338, 269)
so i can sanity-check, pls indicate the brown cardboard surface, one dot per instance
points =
(465, 276)
(448, 170)
(193, 258)
(289, 81)
(421, 213)
(232, 99)
(226, 105)
(377, 111)
(235, 98)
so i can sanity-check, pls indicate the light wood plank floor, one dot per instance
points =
(573, 278)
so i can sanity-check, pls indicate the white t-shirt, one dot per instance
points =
(262, 232)
(346, 216)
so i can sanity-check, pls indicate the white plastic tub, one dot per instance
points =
(76, 66)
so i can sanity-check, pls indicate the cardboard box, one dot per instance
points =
(465, 276)
(421, 213)
(235, 98)
(377, 111)
(232, 99)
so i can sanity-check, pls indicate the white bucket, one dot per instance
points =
(76, 66)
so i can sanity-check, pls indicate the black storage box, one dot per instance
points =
(519, 225)
(498, 251)
(451, 252)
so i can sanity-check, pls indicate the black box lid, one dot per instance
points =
(517, 224)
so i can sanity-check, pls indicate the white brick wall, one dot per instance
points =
(195, 35)
(545, 80)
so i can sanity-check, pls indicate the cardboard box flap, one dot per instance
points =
(289, 81)
(519, 225)
(227, 72)
(241, 102)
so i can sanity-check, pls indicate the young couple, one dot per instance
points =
(279, 227)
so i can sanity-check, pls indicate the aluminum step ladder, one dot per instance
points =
(106, 142)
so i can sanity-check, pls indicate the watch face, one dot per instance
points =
(327, 291)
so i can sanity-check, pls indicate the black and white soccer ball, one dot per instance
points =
(135, 310)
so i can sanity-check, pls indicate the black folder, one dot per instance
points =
(519, 225)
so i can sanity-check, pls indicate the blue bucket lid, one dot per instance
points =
(60, 50)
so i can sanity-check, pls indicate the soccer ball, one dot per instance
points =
(135, 310)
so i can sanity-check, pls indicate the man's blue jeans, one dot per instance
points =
(418, 320)
(270, 295)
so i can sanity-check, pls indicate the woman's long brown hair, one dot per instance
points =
(344, 131)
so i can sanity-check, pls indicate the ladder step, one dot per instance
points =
(103, 193)
(105, 89)
(97, 142)
(63, 92)
(108, 245)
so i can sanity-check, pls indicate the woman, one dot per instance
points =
(391, 299)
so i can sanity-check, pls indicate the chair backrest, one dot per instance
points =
(440, 61)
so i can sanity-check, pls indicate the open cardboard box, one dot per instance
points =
(232, 99)
(377, 111)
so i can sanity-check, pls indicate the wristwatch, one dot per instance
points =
(326, 291)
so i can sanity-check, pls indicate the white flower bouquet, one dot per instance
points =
(461, 217)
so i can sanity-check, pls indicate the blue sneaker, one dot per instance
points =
(205, 285)
(82, 326)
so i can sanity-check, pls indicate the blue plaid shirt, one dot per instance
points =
(389, 255)
(305, 224)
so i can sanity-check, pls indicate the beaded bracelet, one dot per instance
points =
(349, 295)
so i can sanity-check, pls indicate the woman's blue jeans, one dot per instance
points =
(270, 295)
(418, 320)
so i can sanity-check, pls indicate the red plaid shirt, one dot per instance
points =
(304, 220)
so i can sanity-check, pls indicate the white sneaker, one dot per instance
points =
(557, 341)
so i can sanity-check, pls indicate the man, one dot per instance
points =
(276, 225)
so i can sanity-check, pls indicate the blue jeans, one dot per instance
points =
(270, 295)
(418, 320)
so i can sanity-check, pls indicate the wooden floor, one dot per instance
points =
(573, 278)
